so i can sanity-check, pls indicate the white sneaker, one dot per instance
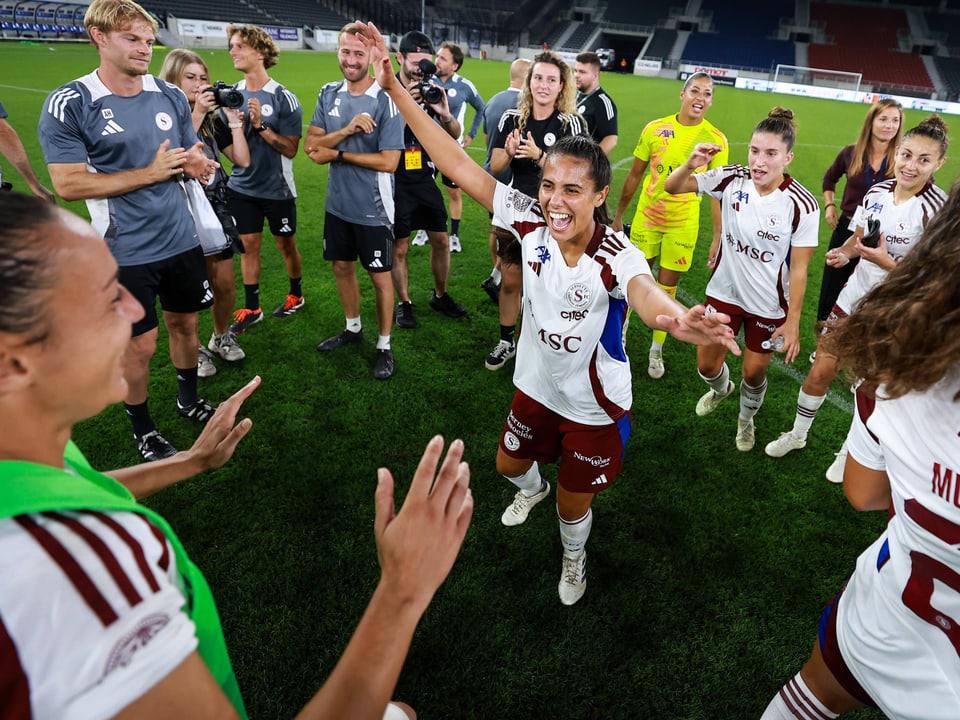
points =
(813, 356)
(226, 346)
(655, 364)
(746, 435)
(708, 403)
(420, 238)
(787, 442)
(521, 506)
(835, 471)
(573, 578)
(455, 244)
(205, 366)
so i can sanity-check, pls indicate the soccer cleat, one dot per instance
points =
(383, 367)
(746, 435)
(244, 319)
(153, 446)
(518, 510)
(404, 315)
(226, 346)
(835, 471)
(708, 403)
(345, 337)
(455, 244)
(201, 410)
(420, 239)
(205, 366)
(447, 305)
(813, 357)
(289, 306)
(573, 578)
(492, 288)
(787, 442)
(655, 364)
(499, 355)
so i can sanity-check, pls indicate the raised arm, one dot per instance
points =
(681, 180)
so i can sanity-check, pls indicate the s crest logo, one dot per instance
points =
(164, 121)
(577, 295)
(549, 139)
(266, 110)
(773, 221)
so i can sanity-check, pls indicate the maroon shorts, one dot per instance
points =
(591, 456)
(756, 329)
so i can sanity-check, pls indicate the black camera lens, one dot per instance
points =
(430, 93)
(226, 96)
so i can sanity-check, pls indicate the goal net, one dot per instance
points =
(800, 75)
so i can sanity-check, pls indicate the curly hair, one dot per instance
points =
(566, 102)
(258, 39)
(865, 137)
(906, 332)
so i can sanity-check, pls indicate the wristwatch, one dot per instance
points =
(261, 128)
(340, 156)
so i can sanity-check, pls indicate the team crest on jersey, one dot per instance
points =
(266, 110)
(549, 139)
(452, 93)
(773, 221)
(164, 121)
(902, 227)
(122, 653)
(582, 109)
(107, 113)
(519, 201)
(577, 295)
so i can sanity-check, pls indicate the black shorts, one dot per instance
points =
(447, 182)
(180, 282)
(346, 241)
(418, 205)
(508, 247)
(249, 213)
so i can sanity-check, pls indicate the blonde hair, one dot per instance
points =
(257, 38)
(566, 102)
(866, 137)
(175, 64)
(110, 15)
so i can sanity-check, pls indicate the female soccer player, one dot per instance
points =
(770, 224)
(869, 161)
(903, 206)
(186, 70)
(890, 638)
(573, 399)
(546, 111)
(666, 226)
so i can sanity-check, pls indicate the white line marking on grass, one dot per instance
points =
(780, 366)
(25, 89)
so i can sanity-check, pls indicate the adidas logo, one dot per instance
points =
(682, 261)
(535, 265)
(286, 229)
(207, 296)
(376, 263)
(602, 480)
(334, 113)
(112, 128)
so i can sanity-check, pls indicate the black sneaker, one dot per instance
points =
(492, 289)
(500, 354)
(289, 306)
(383, 367)
(201, 410)
(244, 319)
(404, 315)
(153, 446)
(448, 306)
(339, 340)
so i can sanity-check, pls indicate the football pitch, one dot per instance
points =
(708, 568)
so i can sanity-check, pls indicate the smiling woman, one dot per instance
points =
(574, 389)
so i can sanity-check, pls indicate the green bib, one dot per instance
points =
(31, 488)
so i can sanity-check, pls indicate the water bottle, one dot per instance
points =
(775, 344)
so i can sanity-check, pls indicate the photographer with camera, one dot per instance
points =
(219, 134)
(419, 202)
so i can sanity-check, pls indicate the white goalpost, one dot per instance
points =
(800, 75)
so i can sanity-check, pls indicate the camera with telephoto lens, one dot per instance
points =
(430, 93)
(871, 236)
(225, 96)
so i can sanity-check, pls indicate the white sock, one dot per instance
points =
(530, 483)
(353, 325)
(383, 342)
(721, 382)
(574, 534)
(807, 406)
(656, 348)
(751, 398)
(795, 701)
(495, 274)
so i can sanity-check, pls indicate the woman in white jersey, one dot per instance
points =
(891, 637)
(573, 399)
(902, 206)
(770, 224)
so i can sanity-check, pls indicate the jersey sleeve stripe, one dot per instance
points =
(798, 704)
(164, 562)
(136, 549)
(58, 101)
(102, 551)
(71, 568)
(14, 686)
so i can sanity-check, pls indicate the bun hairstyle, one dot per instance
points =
(779, 121)
(932, 127)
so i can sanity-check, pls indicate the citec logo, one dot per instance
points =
(577, 295)
(764, 235)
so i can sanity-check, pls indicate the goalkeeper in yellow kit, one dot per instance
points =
(666, 226)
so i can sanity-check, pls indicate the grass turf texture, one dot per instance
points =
(708, 568)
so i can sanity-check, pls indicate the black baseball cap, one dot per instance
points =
(416, 42)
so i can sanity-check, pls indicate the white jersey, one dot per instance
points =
(752, 270)
(898, 621)
(902, 225)
(108, 624)
(570, 356)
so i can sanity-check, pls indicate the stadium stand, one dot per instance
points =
(755, 52)
(576, 41)
(662, 43)
(946, 23)
(949, 69)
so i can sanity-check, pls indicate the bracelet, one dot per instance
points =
(829, 204)
(260, 129)
(542, 153)
(340, 156)
(235, 126)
